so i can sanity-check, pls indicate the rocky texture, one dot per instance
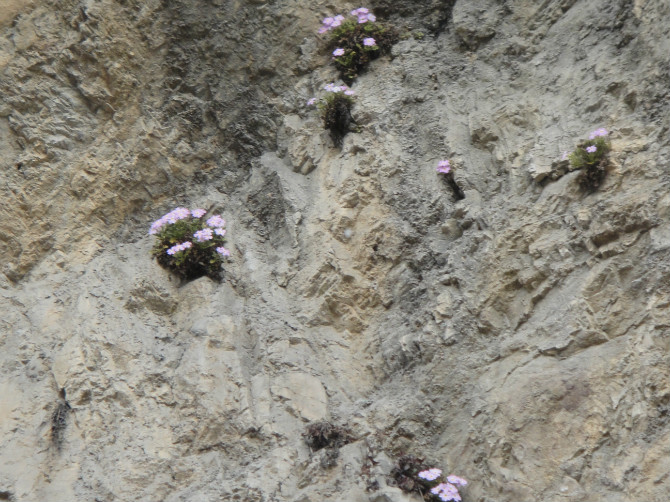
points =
(518, 337)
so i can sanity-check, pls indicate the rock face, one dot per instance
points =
(518, 337)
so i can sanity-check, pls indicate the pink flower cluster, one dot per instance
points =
(179, 247)
(369, 42)
(362, 14)
(598, 132)
(345, 89)
(591, 149)
(430, 474)
(216, 221)
(331, 22)
(446, 492)
(203, 235)
(444, 167)
(339, 88)
(180, 213)
(449, 491)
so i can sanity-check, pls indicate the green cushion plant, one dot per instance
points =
(356, 40)
(189, 245)
(335, 109)
(591, 157)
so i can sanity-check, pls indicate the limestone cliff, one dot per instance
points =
(518, 337)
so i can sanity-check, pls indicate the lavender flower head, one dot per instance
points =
(311, 102)
(364, 15)
(203, 235)
(220, 231)
(337, 21)
(216, 221)
(598, 132)
(179, 247)
(338, 52)
(444, 167)
(338, 88)
(456, 480)
(349, 92)
(446, 492)
(369, 42)
(171, 218)
(430, 474)
(591, 149)
(198, 213)
(327, 24)
(223, 251)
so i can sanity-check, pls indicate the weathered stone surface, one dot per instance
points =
(518, 337)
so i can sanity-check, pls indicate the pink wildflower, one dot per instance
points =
(179, 247)
(203, 235)
(446, 492)
(216, 221)
(591, 149)
(369, 42)
(337, 21)
(338, 52)
(223, 251)
(456, 480)
(198, 213)
(444, 167)
(598, 132)
(430, 474)
(311, 102)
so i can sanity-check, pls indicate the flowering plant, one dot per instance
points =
(335, 109)
(356, 40)
(412, 475)
(189, 245)
(592, 155)
(444, 167)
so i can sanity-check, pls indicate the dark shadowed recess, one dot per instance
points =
(434, 15)
(218, 82)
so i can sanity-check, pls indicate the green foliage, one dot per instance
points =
(188, 246)
(592, 163)
(350, 37)
(336, 113)
(582, 158)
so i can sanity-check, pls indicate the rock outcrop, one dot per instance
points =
(518, 337)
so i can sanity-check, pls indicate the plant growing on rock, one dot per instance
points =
(591, 156)
(335, 109)
(411, 474)
(444, 167)
(326, 435)
(356, 40)
(189, 245)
